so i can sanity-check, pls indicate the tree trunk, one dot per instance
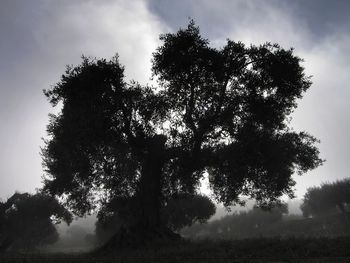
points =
(150, 183)
(148, 227)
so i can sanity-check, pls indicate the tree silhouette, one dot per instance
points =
(218, 111)
(327, 198)
(28, 220)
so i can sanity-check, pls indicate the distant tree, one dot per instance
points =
(327, 198)
(220, 111)
(180, 211)
(28, 220)
(262, 217)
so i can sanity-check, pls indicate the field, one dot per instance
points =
(249, 250)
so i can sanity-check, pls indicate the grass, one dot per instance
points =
(275, 250)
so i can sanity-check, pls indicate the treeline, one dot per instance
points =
(326, 212)
(258, 223)
(29, 221)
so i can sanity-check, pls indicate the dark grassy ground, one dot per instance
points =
(252, 250)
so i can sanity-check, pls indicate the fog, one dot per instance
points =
(233, 223)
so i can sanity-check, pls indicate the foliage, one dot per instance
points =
(28, 220)
(180, 211)
(218, 111)
(327, 198)
(185, 210)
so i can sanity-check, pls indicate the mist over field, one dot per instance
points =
(239, 223)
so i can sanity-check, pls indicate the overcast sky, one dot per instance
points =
(39, 37)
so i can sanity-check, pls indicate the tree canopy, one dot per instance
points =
(327, 198)
(221, 111)
(27, 221)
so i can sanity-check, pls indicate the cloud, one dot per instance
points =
(324, 110)
(40, 38)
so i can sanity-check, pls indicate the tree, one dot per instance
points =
(218, 111)
(329, 197)
(28, 220)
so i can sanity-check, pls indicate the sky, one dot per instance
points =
(40, 37)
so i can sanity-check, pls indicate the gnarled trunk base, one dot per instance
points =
(148, 228)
